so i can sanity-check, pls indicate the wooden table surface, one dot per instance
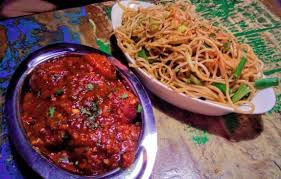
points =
(189, 145)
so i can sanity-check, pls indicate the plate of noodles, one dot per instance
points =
(185, 60)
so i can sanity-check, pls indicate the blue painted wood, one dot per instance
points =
(23, 36)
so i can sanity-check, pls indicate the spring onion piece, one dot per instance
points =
(182, 28)
(194, 80)
(266, 83)
(242, 91)
(240, 67)
(221, 87)
(142, 54)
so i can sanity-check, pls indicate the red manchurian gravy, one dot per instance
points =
(80, 115)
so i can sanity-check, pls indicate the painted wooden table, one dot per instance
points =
(189, 145)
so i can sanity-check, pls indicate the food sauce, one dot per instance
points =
(78, 113)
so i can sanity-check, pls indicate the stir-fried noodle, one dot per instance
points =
(188, 54)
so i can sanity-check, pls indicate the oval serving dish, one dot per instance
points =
(264, 100)
(147, 143)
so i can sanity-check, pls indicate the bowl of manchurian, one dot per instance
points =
(75, 112)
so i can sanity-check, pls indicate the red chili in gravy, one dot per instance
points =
(78, 114)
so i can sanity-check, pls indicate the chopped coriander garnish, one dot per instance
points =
(94, 106)
(90, 86)
(85, 111)
(92, 118)
(93, 125)
(124, 96)
(51, 111)
(59, 92)
(91, 112)
(139, 109)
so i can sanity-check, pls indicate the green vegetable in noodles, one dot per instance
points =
(242, 91)
(142, 54)
(266, 83)
(194, 80)
(240, 67)
(220, 86)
